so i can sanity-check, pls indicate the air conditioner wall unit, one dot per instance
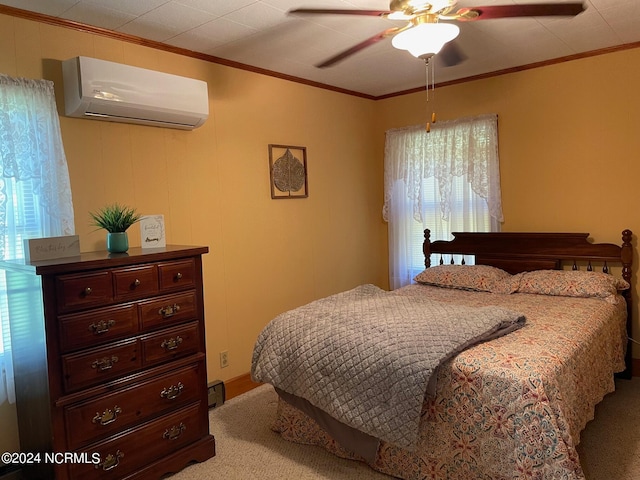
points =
(102, 90)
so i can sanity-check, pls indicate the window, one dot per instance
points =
(21, 202)
(446, 180)
(35, 193)
(469, 213)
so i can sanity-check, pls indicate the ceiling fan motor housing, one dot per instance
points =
(410, 7)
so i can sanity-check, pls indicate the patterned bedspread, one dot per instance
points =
(366, 356)
(510, 408)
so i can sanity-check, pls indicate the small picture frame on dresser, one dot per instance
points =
(152, 233)
(49, 248)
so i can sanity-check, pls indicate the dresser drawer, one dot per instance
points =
(122, 454)
(135, 282)
(83, 290)
(169, 344)
(108, 414)
(96, 326)
(100, 364)
(177, 274)
(168, 310)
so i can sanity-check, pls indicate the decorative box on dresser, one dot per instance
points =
(109, 361)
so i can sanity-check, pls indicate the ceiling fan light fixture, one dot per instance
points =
(425, 39)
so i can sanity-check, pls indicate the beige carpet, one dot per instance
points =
(247, 449)
(610, 445)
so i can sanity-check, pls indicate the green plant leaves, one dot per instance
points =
(115, 218)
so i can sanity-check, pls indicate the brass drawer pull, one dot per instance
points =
(178, 276)
(101, 327)
(87, 291)
(108, 416)
(136, 283)
(172, 343)
(110, 462)
(174, 432)
(169, 310)
(105, 363)
(172, 392)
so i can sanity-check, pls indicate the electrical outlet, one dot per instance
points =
(224, 359)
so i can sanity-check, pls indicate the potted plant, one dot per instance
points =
(115, 219)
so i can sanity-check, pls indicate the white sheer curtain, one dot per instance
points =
(446, 180)
(35, 193)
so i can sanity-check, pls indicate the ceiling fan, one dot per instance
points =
(424, 35)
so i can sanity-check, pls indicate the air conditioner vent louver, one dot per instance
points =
(101, 90)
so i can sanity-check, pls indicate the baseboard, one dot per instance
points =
(239, 385)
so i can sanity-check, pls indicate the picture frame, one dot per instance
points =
(48, 248)
(288, 171)
(152, 232)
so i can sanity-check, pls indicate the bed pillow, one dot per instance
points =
(571, 283)
(481, 278)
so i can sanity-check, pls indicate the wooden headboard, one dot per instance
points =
(517, 252)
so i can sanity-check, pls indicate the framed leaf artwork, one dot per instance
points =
(288, 171)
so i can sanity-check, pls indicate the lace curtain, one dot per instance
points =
(446, 180)
(35, 192)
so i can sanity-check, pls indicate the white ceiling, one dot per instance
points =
(259, 33)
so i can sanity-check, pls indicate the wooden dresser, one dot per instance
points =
(110, 368)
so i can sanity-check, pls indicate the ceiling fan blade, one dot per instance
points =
(325, 11)
(356, 48)
(528, 10)
(451, 55)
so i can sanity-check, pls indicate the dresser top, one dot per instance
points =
(104, 259)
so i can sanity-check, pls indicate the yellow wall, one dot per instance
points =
(569, 139)
(212, 184)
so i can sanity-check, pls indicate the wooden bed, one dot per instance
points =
(514, 406)
(517, 252)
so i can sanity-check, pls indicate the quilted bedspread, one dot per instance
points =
(511, 408)
(366, 356)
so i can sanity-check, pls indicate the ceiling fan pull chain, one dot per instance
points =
(431, 83)
(426, 65)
